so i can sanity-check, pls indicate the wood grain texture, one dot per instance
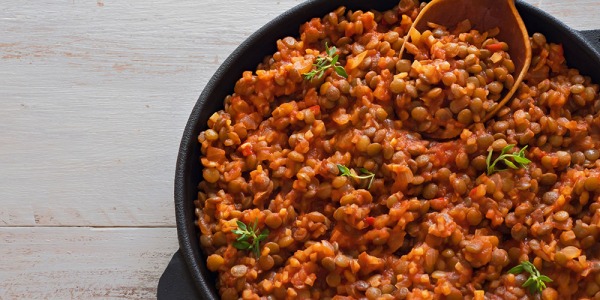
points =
(83, 263)
(580, 14)
(94, 96)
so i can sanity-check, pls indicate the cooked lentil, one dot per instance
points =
(432, 223)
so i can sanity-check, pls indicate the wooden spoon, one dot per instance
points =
(483, 15)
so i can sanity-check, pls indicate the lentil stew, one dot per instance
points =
(290, 156)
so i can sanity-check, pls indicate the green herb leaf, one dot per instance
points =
(521, 160)
(263, 235)
(241, 225)
(536, 281)
(507, 148)
(528, 267)
(323, 63)
(516, 269)
(344, 170)
(368, 174)
(488, 161)
(242, 245)
(528, 282)
(330, 51)
(511, 160)
(249, 238)
(341, 71)
(510, 164)
(242, 238)
(334, 60)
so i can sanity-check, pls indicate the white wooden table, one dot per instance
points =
(94, 96)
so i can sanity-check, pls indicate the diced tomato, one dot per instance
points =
(438, 203)
(494, 47)
(215, 154)
(370, 220)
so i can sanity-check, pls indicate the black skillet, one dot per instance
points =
(186, 276)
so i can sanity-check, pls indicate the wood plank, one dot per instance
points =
(95, 96)
(580, 14)
(83, 263)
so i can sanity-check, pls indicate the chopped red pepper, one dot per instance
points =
(316, 109)
(246, 149)
(494, 47)
(370, 220)
(473, 192)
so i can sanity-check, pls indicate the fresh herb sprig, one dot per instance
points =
(249, 237)
(326, 62)
(536, 281)
(368, 175)
(512, 160)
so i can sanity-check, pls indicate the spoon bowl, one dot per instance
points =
(483, 16)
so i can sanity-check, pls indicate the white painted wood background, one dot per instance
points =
(94, 96)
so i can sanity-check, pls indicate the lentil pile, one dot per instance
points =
(320, 188)
(454, 79)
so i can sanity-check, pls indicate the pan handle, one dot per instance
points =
(176, 282)
(593, 37)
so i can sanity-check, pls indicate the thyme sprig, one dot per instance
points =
(249, 237)
(368, 175)
(536, 281)
(323, 63)
(512, 160)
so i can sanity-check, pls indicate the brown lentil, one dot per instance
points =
(214, 262)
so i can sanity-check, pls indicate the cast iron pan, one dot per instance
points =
(186, 276)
